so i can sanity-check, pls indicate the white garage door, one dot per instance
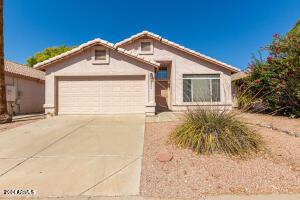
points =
(101, 95)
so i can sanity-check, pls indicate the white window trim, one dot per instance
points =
(106, 61)
(210, 80)
(151, 47)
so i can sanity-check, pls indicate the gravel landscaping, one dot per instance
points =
(279, 123)
(189, 175)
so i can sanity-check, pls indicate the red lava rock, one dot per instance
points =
(164, 157)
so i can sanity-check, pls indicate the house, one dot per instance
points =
(25, 88)
(238, 76)
(142, 74)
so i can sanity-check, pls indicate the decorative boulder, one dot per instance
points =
(164, 157)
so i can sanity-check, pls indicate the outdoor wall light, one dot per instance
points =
(151, 76)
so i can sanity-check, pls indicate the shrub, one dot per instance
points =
(275, 81)
(211, 131)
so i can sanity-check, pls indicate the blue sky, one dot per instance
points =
(229, 30)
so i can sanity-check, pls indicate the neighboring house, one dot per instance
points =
(238, 76)
(25, 88)
(234, 90)
(142, 74)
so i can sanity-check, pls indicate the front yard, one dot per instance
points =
(189, 175)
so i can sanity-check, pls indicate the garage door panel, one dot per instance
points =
(101, 95)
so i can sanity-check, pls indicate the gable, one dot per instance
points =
(88, 45)
(83, 64)
(182, 61)
(133, 40)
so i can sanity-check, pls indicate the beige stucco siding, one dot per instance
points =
(29, 92)
(81, 65)
(183, 63)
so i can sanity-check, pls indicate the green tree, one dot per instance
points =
(46, 54)
(296, 28)
(275, 81)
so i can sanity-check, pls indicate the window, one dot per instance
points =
(162, 73)
(146, 46)
(100, 55)
(201, 88)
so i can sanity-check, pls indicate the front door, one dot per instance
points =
(162, 86)
(162, 95)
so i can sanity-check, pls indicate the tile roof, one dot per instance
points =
(238, 75)
(23, 70)
(92, 43)
(177, 46)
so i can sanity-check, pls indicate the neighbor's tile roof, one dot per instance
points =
(92, 43)
(177, 46)
(238, 75)
(23, 70)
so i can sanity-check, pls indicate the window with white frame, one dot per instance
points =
(100, 55)
(201, 88)
(146, 46)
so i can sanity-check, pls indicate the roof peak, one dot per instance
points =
(177, 46)
(92, 43)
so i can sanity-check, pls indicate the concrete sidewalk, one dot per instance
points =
(220, 197)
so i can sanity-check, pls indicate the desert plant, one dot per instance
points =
(208, 131)
(275, 80)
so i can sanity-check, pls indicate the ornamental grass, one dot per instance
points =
(208, 131)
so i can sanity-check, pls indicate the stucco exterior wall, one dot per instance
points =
(30, 94)
(183, 63)
(81, 64)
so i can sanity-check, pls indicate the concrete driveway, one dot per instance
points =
(74, 155)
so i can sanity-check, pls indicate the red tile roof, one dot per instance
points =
(238, 75)
(23, 70)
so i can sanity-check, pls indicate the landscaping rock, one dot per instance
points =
(267, 125)
(164, 157)
(291, 133)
